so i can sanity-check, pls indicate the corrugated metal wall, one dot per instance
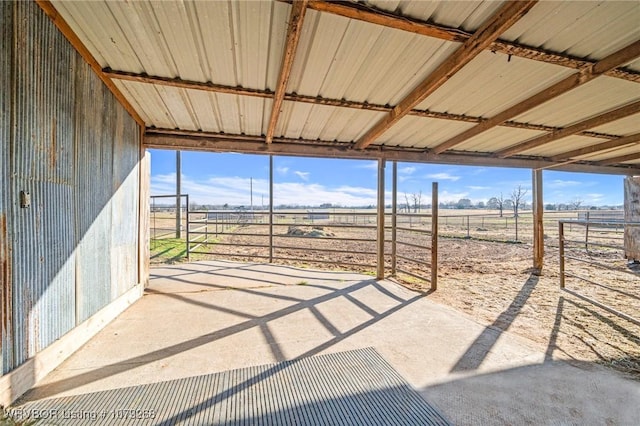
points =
(75, 150)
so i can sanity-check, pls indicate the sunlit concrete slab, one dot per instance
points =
(207, 317)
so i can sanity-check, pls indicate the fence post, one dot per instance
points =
(270, 208)
(394, 220)
(561, 251)
(434, 236)
(586, 234)
(380, 220)
(516, 217)
(468, 230)
(187, 230)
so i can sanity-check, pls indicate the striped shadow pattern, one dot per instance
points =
(355, 387)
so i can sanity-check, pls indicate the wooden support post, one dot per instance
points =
(271, 209)
(380, 227)
(434, 236)
(561, 251)
(144, 167)
(538, 224)
(394, 220)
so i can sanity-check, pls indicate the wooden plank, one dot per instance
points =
(616, 59)
(616, 143)
(538, 220)
(296, 19)
(319, 100)
(144, 167)
(216, 142)
(368, 13)
(75, 41)
(632, 214)
(506, 16)
(589, 123)
(620, 159)
(185, 84)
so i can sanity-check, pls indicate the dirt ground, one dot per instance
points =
(494, 283)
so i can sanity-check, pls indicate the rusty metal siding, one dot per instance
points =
(6, 345)
(68, 142)
(43, 238)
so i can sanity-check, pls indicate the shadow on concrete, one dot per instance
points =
(554, 392)
(251, 321)
(480, 348)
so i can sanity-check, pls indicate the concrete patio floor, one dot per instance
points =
(206, 317)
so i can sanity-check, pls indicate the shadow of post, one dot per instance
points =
(480, 348)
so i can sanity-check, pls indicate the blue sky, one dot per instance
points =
(215, 178)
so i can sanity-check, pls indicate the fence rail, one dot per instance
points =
(575, 249)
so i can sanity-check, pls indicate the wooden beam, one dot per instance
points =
(596, 121)
(185, 84)
(75, 41)
(538, 221)
(296, 19)
(370, 14)
(220, 142)
(319, 100)
(616, 59)
(620, 159)
(616, 143)
(506, 16)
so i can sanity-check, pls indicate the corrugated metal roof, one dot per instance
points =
(491, 83)
(497, 138)
(583, 29)
(597, 96)
(242, 44)
(301, 120)
(564, 145)
(623, 127)
(342, 58)
(418, 132)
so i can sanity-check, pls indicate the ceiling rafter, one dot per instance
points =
(294, 30)
(616, 143)
(318, 100)
(614, 60)
(574, 129)
(508, 14)
(367, 13)
(620, 159)
(221, 142)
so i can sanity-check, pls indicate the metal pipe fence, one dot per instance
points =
(588, 246)
(163, 216)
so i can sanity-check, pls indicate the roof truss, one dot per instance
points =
(506, 16)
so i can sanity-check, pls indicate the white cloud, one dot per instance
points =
(407, 170)
(443, 176)
(302, 175)
(282, 170)
(559, 183)
(446, 196)
(478, 188)
(236, 191)
(373, 165)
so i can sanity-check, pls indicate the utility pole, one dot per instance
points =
(178, 195)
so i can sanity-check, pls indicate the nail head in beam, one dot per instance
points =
(490, 30)
(596, 121)
(294, 30)
(75, 41)
(616, 59)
